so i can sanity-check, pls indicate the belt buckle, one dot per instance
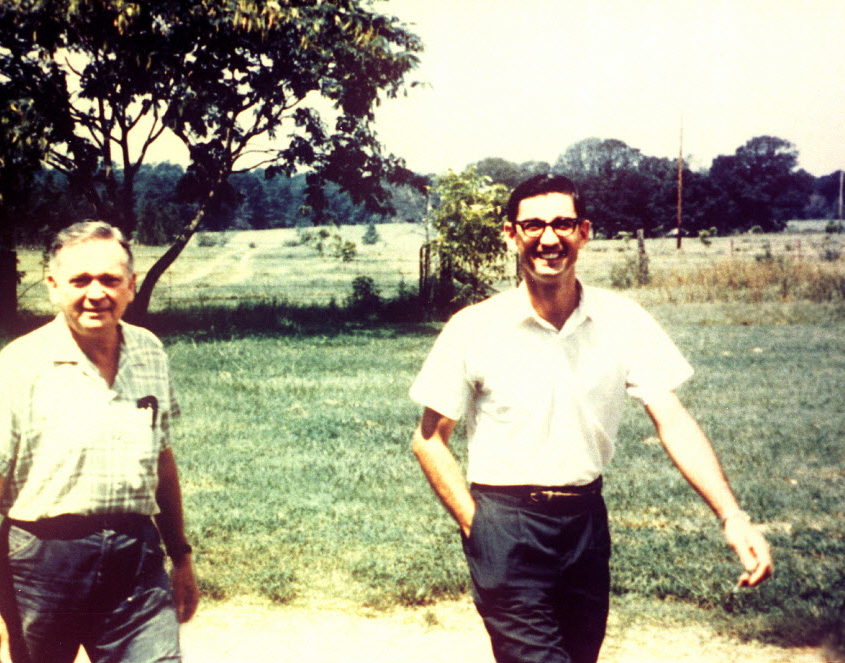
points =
(538, 496)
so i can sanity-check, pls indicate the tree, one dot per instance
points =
(625, 189)
(160, 214)
(826, 196)
(225, 77)
(370, 235)
(502, 171)
(24, 139)
(760, 185)
(467, 221)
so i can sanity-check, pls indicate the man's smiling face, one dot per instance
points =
(91, 284)
(550, 257)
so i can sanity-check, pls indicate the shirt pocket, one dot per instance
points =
(135, 442)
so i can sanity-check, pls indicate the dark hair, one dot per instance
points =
(85, 231)
(539, 185)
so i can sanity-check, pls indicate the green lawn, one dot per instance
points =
(300, 484)
(294, 444)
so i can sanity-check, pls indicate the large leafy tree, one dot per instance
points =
(25, 138)
(283, 85)
(760, 185)
(502, 171)
(626, 190)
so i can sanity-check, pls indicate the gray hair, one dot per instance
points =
(85, 231)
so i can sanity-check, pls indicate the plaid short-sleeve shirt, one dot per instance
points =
(69, 443)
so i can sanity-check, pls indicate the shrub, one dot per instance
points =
(633, 271)
(207, 239)
(706, 236)
(343, 250)
(830, 252)
(371, 235)
(365, 297)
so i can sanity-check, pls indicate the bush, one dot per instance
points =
(365, 298)
(706, 236)
(633, 271)
(207, 239)
(371, 235)
(830, 252)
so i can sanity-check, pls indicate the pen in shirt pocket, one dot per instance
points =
(149, 402)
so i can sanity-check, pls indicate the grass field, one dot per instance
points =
(264, 265)
(300, 485)
(299, 481)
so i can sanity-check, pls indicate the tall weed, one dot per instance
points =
(771, 278)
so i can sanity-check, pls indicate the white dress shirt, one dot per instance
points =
(543, 406)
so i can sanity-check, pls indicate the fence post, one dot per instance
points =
(425, 283)
(642, 259)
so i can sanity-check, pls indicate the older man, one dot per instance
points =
(540, 373)
(88, 482)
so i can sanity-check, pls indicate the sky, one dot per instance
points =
(524, 79)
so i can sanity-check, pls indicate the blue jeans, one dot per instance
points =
(106, 591)
(540, 575)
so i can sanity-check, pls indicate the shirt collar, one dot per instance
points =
(65, 350)
(523, 310)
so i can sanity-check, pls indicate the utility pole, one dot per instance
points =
(680, 212)
(841, 174)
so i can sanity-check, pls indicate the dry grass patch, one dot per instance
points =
(781, 279)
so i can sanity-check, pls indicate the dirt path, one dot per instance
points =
(446, 632)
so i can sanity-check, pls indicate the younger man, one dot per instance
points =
(540, 373)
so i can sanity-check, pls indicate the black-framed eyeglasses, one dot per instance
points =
(561, 226)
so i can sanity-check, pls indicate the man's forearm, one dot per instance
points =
(691, 451)
(445, 476)
(170, 519)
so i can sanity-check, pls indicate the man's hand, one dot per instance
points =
(185, 591)
(751, 548)
(5, 655)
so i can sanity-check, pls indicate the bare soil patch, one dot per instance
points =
(446, 632)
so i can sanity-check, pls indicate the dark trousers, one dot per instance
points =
(540, 574)
(74, 581)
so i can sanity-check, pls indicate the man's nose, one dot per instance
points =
(95, 290)
(549, 236)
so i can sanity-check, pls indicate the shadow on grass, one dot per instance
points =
(215, 322)
(202, 321)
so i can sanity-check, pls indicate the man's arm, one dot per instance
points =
(431, 447)
(692, 453)
(171, 524)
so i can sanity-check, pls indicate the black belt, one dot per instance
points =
(541, 494)
(72, 526)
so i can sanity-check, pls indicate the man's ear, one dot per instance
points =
(133, 282)
(585, 229)
(52, 288)
(509, 234)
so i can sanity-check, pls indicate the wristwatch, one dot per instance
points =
(177, 552)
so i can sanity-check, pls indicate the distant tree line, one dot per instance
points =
(249, 201)
(759, 186)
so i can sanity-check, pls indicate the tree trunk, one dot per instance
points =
(140, 307)
(8, 286)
